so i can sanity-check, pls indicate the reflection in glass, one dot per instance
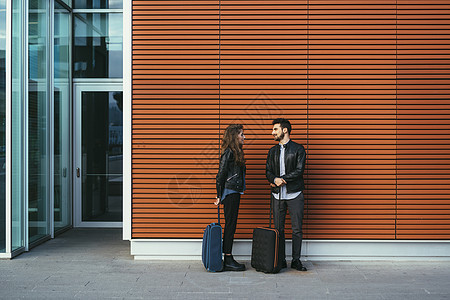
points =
(38, 152)
(2, 124)
(17, 128)
(97, 46)
(68, 2)
(97, 4)
(102, 156)
(62, 134)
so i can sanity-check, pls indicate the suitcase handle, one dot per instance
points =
(218, 213)
(270, 214)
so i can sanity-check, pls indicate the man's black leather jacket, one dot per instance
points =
(230, 175)
(294, 158)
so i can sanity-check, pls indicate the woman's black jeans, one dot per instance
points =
(231, 209)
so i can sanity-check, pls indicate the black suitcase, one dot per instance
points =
(265, 248)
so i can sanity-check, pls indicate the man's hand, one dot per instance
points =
(217, 202)
(279, 181)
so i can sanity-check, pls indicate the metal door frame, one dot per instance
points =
(79, 86)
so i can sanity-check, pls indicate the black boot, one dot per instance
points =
(297, 264)
(229, 264)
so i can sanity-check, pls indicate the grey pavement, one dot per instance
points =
(96, 264)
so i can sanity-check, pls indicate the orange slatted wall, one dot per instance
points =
(351, 119)
(364, 83)
(175, 111)
(423, 141)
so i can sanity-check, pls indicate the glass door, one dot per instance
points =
(98, 155)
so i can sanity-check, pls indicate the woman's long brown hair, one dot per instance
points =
(230, 140)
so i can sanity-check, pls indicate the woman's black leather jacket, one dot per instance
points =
(230, 175)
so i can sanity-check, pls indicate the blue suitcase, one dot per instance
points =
(212, 246)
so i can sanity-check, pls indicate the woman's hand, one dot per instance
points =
(217, 202)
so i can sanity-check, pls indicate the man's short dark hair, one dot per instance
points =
(284, 123)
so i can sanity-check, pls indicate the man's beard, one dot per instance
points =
(280, 137)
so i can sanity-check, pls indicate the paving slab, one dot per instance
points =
(96, 264)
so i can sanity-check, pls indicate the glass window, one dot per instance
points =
(68, 2)
(62, 113)
(17, 127)
(2, 124)
(38, 131)
(97, 45)
(97, 4)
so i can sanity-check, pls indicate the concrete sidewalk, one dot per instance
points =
(96, 264)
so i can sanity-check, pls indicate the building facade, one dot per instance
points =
(62, 119)
(114, 112)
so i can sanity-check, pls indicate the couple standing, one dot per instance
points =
(284, 171)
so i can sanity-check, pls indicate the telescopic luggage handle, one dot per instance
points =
(279, 203)
(218, 213)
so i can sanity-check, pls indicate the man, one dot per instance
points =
(284, 170)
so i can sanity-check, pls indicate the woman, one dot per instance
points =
(230, 184)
